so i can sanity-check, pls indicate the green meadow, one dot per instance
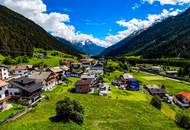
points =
(129, 111)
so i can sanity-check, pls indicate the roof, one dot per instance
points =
(157, 91)
(185, 95)
(3, 83)
(127, 76)
(83, 82)
(26, 84)
(40, 75)
(88, 76)
(3, 66)
(152, 87)
(65, 68)
(18, 68)
(56, 69)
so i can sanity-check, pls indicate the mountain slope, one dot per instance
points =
(87, 47)
(19, 36)
(169, 38)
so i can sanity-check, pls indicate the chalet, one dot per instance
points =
(155, 90)
(86, 62)
(76, 66)
(83, 86)
(104, 89)
(58, 71)
(97, 69)
(4, 72)
(20, 70)
(25, 90)
(47, 79)
(183, 99)
(3, 94)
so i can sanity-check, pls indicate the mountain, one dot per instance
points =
(87, 47)
(111, 50)
(169, 38)
(19, 36)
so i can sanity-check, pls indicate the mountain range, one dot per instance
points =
(169, 38)
(19, 36)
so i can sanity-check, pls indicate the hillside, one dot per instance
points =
(19, 36)
(169, 38)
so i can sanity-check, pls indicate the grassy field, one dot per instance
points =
(4, 115)
(131, 111)
(173, 87)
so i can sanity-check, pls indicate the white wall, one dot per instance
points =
(4, 73)
(2, 93)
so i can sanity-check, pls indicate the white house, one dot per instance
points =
(20, 70)
(3, 96)
(4, 72)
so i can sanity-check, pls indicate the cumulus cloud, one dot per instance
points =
(52, 22)
(138, 24)
(171, 2)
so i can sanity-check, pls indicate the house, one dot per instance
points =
(155, 69)
(104, 89)
(97, 69)
(3, 94)
(58, 71)
(128, 77)
(47, 79)
(76, 66)
(83, 86)
(155, 90)
(183, 99)
(133, 85)
(25, 90)
(22, 70)
(4, 72)
(88, 76)
(172, 73)
(85, 62)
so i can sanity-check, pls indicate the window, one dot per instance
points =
(0, 96)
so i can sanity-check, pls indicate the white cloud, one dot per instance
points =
(136, 6)
(139, 24)
(58, 23)
(52, 22)
(171, 2)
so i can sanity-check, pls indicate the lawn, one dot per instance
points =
(173, 87)
(5, 114)
(131, 111)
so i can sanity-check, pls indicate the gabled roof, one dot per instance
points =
(185, 95)
(18, 68)
(3, 66)
(40, 75)
(65, 68)
(127, 76)
(56, 69)
(83, 82)
(157, 91)
(3, 83)
(28, 85)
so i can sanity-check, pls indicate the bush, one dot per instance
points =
(156, 102)
(183, 120)
(68, 109)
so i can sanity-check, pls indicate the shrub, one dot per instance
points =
(156, 102)
(68, 109)
(183, 120)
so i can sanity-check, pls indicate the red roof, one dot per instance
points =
(185, 95)
(3, 83)
(83, 82)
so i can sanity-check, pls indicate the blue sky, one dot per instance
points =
(98, 17)
(105, 22)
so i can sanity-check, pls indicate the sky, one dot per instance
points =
(104, 22)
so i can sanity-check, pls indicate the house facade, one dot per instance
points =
(20, 70)
(4, 72)
(83, 86)
(3, 94)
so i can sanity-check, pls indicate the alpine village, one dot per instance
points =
(140, 83)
